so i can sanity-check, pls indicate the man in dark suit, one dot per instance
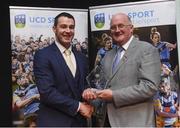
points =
(132, 81)
(59, 85)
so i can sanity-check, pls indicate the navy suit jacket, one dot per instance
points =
(60, 92)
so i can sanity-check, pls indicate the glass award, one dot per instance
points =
(96, 78)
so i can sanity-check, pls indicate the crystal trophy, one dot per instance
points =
(96, 78)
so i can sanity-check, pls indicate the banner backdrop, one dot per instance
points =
(31, 29)
(178, 24)
(141, 13)
(148, 17)
(144, 15)
(31, 21)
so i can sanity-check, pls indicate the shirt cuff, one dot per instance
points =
(78, 107)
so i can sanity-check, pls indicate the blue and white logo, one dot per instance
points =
(20, 20)
(99, 20)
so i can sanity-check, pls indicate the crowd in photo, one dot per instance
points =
(25, 93)
(166, 101)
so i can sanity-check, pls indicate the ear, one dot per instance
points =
(54, 29)
(132, 28)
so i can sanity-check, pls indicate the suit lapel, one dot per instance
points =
(112, 59)
(78, 62)
(79, 67)
(70, 79)
(128, 53)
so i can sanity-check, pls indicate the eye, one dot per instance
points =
(113, 28)
(71, 27)
(64, 26)
(121, 26)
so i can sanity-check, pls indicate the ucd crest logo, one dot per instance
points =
(99, 20)
(20, 21)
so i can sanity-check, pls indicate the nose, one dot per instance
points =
(117, 29)
(68, 29)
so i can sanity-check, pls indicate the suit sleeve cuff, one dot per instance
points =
(78, 107)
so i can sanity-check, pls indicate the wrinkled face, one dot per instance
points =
(121, 29)
(64, 31)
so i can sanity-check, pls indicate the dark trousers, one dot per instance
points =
(106, 122)
(98, 122)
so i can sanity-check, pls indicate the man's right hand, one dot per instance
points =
(89, 94)
(86, 110)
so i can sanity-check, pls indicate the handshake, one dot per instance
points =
(91, 94)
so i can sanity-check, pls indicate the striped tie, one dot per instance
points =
(117, 59)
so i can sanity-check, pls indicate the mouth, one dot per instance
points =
(67, 37)
(118, 34)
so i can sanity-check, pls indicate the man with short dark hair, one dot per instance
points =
(60, 73)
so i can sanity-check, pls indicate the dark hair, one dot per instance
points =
(63, 14)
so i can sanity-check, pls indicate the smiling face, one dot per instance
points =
(121, 28)
(64, 30)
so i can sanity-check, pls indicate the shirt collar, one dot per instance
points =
(126, 45)
(62, 48)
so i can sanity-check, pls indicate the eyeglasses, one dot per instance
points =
(119, 26)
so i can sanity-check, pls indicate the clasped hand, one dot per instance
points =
(86, 110)
(92, 93)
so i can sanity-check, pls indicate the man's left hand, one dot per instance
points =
(105, 94)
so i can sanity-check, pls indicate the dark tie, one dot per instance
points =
(117, 59)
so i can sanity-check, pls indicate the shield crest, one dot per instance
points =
(99, 20)
(20, 20)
